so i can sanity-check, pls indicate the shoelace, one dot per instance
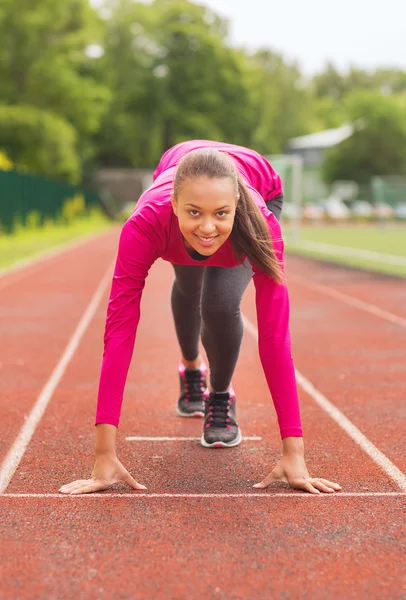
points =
(218, 410)
(194, 385)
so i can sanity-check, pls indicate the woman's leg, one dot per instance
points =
(186, 292)
(222, 326)
(185, 301)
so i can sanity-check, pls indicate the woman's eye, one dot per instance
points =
(194, 213)
(222, 213)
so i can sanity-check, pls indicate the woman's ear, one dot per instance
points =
(174, 204)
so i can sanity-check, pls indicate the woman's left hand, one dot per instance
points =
(292, 469)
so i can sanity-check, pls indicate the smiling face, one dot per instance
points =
(205, 208)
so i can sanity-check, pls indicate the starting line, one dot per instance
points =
(264, 494)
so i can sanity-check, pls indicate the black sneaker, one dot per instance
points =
(192, 386)
(220, 426)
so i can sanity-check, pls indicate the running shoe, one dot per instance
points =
(220, 426)
(192, 386)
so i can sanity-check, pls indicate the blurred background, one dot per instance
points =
(92, 93)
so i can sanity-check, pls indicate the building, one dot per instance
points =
(313, 147)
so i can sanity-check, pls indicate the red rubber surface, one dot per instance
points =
(226, 548)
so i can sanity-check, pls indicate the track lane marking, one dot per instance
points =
(355, 434)
(17, 450)
(350, 300)
(179, 439)
(388, 259)
(40, 260)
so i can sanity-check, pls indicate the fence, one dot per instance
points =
(25, 198)
(389, 190)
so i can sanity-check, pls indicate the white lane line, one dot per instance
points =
(19, 447)
(40, 260)
(179, 439)
(370, 308)
(264, 494)
(390, 259)
(355, 434)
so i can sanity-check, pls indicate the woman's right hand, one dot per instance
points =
(107, 471)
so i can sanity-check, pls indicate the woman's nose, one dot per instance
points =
(207, 227)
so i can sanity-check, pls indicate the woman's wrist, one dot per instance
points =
(293, 445)
(105, 438)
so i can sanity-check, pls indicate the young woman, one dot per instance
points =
(211, 213)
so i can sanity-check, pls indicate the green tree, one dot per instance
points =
(43, 61)
(282, 103)
(173, 78)
(378, 146)
(40, 142)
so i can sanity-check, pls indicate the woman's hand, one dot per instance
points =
(292, 469)
(107, 471)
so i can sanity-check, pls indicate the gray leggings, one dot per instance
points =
(206, 301)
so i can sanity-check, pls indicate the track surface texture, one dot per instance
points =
(201, 530)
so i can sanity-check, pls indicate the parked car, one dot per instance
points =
(313, 211)
(383, 211)
(335, 208)
(362, 208)
(291, 211)
(400, 211)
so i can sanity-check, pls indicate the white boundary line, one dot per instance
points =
(389, 259)
(41, 259)
(355, 434)
(264, 494)
(370, 308)
(180, 439)
(16, 452)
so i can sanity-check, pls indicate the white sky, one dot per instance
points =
(363, 33)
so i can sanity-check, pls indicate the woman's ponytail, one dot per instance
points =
(250, 235)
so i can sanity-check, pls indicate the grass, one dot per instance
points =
(26, 243)
(388, 239)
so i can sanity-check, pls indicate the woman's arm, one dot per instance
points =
(141, 241)
(274, 343)
(275, 352)
(140, 245)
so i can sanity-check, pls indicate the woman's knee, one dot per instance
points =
(220, 314)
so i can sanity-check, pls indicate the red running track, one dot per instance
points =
(205, 542)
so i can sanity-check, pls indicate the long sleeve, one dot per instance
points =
(141, 243)
(272, 303)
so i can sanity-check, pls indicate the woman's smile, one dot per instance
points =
(206, 241)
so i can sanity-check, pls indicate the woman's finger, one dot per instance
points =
(303, 484)
(67, 488)
(321, 486)
(265, 482)
(75, 486)
(331, 484)
(131, 481)
(89, 487)
(276, 475)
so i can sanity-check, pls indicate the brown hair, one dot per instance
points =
(250, 234)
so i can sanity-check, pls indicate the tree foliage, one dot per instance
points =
(378, 146)
(163, 72)
(39, 141)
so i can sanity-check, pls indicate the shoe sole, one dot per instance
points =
(197, 413)
(235, 442)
